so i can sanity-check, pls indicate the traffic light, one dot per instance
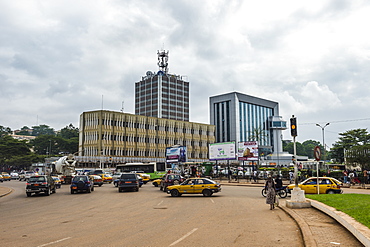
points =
(293, 126)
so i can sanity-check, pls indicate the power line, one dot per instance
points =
(340, 121)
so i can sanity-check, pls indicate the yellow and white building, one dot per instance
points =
(115, 137)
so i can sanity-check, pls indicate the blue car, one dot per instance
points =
(82, 183)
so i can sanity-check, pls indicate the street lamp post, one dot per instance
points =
(323, 139)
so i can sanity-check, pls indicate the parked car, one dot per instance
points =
(82, 183)
(327, 185)
(6, 176)
(57, 181)
(40, 184)
(203, 186)
(145, 177)
(1, 178)
(170, 179)
(128, 181)
(97, 180)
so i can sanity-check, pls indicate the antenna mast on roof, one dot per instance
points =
(163, 61)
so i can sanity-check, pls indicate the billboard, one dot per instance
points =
(222, 151)
(248, 150)
(176, 154)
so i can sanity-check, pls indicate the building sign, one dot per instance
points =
(248, 150)
(176, 154)
(222, 151)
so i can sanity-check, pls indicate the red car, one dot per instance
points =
(170, 179)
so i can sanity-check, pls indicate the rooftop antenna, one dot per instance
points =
(123, 102)
(163, 61)
(102, 101)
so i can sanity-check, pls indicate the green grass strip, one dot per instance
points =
(355, 205)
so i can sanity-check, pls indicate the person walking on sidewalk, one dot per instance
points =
(271, 193)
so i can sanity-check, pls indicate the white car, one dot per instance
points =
(14, 175)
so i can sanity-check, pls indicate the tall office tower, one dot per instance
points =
(162, 95)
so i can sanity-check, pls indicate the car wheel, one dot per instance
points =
(137, 189)
(28, 194)
(155, 184)
(54, 190)
(175, 193)
(48, 192)
(119, 189)
(282, 193)
(161, 188)
(92, 189)
(207, 193)
(101, 185)
(330, 192)
(89, 190)
(72, 191)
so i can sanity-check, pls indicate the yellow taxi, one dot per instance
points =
(57, 181)
(107, 178)
(157, 182)
(327, 185)
(203, 186)
(6, 176)
(145, 177)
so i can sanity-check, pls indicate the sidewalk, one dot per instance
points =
(319, 224)
(5, 191)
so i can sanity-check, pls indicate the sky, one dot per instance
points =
(60, 58)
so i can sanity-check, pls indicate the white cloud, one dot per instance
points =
(312, 58)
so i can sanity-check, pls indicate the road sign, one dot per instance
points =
(317, 153)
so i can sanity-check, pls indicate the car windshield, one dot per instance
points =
(37, 179)
(79, 178)
(55, 178)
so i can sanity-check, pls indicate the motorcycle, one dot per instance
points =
(282, 192)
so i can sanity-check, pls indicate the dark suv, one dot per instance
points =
(40, 183)
(128, 181)
(82, 183)
(170, 179)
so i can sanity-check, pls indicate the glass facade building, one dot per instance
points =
(239, 117)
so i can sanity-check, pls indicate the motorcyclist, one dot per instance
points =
(278, 182)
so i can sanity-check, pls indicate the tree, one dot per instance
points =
(354, 143)
(69, 132)
(4, 131)
(42, 130)
(309, 146)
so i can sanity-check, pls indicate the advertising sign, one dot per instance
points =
(248, 150)
(176, 154)
(222, 151)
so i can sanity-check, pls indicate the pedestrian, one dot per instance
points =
(365, 176)
(291, 177)
(345, 176)
(271, 193)
(255, 176)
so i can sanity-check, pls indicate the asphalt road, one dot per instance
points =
(238, 216)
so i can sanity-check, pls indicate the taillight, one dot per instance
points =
(28, 183)
(88, 182)
(44, 183)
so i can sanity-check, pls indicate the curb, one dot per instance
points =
(5, 191)
(361, 232)
(308, 239)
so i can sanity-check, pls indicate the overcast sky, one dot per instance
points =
(61, 58)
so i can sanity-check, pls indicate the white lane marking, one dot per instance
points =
(159, 203)
(60, 240)
(212, 200)
(183, 237)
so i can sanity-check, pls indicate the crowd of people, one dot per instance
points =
(356, 177)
